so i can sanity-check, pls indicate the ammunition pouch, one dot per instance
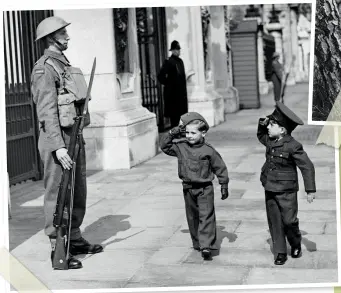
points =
(66, 109)
(71, 95)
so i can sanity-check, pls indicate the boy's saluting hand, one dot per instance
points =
(224, 193)
(310, 197)
(265, 122)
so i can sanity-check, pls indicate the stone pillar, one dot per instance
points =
(294, 42)
(218, 59)
(119, 124)
(184, 25)
(304, 30)
(254, 13)
(285, 21)
(275, 29)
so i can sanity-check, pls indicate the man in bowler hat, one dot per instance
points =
(280, 180)
(172, 75)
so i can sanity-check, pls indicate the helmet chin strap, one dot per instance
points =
(61, 47)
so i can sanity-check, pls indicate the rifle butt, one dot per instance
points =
(59, 257)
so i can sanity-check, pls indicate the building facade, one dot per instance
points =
(130, 45)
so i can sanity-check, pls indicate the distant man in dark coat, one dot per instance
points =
(172, 75)
(280, 180)
(277, 76)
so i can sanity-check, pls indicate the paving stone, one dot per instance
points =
(290, 276)
(318, 205)
(331, 228)
(186, 275)
(170, 255)
(149, 238)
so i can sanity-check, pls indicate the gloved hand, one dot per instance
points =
(175, 131)
(224, 193)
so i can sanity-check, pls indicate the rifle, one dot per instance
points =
(62, 217)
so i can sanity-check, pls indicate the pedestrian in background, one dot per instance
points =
(277, 76)
(198, 163)
(172, 75)
(280, 179)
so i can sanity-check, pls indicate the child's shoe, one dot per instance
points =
(206, 253)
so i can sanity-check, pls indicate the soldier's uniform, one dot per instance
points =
(197, 165)
(59, 91)
(277, 76)
(280, 179)
(45, 82)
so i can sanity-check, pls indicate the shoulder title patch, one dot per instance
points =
(39, 71)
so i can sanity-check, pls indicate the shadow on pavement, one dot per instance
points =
(105, 228)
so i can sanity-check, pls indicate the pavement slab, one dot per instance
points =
(186, 275)
(283, 275)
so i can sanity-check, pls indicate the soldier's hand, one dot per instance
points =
(224, 193)
(310, 197)
(64, 158)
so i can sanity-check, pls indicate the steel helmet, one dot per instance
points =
(50, 25)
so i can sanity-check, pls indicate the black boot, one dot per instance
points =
(206, 253)
(296, 252)
(281, 259)
(81, 246)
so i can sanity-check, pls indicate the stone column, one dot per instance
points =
(218, 59)
(254, 13)
(285, 21)
(294, 42)
(184, 25)
(275, 29)
(304, 30)
(119, 124)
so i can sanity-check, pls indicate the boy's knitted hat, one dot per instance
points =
(191, 116)
(285, 117)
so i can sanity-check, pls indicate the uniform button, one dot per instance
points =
(273, 150)
(272, 157)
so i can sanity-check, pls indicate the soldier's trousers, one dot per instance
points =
(53, 171)
(281, 210)
(200, 213)
(277, 90)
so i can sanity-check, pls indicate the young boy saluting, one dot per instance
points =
(197, 163)
(280, 180)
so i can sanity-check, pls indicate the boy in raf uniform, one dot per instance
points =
(280, 180)
(197, 163)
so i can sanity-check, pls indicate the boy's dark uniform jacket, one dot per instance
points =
(279, 172)
(197, 163)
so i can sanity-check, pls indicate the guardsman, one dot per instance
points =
(280, 180)
(172, 75)
(198, 163)
(58, 90)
